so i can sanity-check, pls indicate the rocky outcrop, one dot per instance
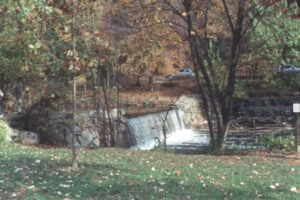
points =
(193, 117)
(56, 128)
(25, 137)
(19, 136)
(265, 110)
(254, 111)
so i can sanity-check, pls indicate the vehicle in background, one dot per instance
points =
(288, 69)
(183, 73)
(186, 72)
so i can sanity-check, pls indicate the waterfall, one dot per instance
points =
(148, 129)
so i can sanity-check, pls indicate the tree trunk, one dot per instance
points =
(74, 163)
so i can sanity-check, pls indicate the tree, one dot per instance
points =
(141, 36)
(216, 32)
(74, 163)
(276, 41)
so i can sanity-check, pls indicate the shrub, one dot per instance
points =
(285, 143)
(5, 132)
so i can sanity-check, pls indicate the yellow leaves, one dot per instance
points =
(66, 29)
(25, 68)
(58, 11)
(23, 21)
(93, 63)
(69, 53)
(48, 9)
(38, 45)
(156, 18)
(80, 79)
(71, 67)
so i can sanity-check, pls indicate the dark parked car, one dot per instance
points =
(288, 69)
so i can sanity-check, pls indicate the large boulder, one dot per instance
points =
(25, 137)
(54, 129)
(190, 105)
(57, 129)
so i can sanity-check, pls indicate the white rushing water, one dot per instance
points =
(148, 131)
(188, 137)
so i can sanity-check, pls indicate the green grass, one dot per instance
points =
(37, 173)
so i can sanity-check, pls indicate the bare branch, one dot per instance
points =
(228, 16)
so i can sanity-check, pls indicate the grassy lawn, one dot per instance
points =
(38, 173)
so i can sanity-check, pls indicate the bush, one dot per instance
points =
(285, 143)
(5, 132)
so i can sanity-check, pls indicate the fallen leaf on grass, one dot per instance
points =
(181, 183)
(32, 187)
(64, 185)
(177, 172)
(293, 170)
(255, 172)
(273, 187)
(294, 189)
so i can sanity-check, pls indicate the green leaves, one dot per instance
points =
(277, 36)
(276, 41)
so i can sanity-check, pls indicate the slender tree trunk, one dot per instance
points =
(119, 111)
(97, 107)
(107, 106)
(100, 123)
(165, 136)
(74, 151)
(74, 163)
(104, 129)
